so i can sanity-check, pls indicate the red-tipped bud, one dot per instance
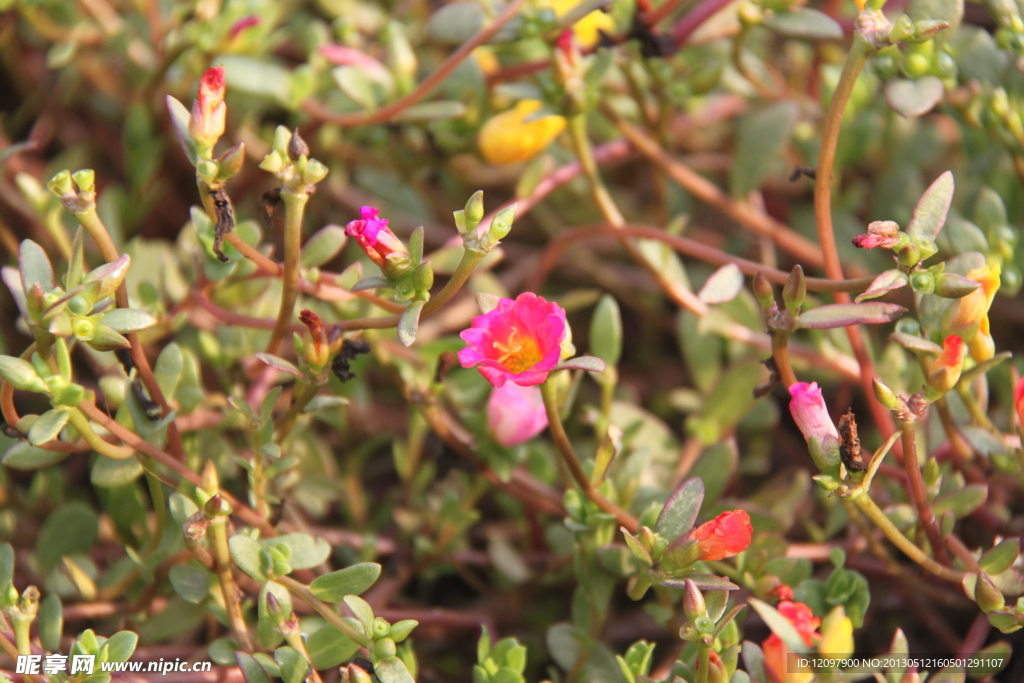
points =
(944, 372)
(317, 349)
(208, 111)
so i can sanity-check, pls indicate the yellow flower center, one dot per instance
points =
(519, 353)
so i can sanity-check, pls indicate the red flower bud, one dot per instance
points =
(375, 237)
(317, 348)
(945, 370)
(208, 111)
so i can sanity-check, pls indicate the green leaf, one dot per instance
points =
(51, 622)
(35, 266)
(108, 277)
(128, 320)
(21, 374)
(962, 501)
(409, 323)
(307, 552)
(636, 547)
(362, 611)
(457, 22)
(723, 285)
(760, 140)
(169, 366)
(328, 647)
(190, 581)
(998, 559)
(354, 82)
(267, 634)
(681, 509)
(293, 665)
(323, 246)
(352, 580)
(706, 582)
(930, 212)
(6, 564)
(804, 23)
(780, 625)
(25, 457)
(753, 660)
(279, 363)
(47, 427)
(69, 530)
(606, 331)
(716, 467)
(111, 473)
(589, 363)
(888, 281)
(393, 670)
(252, 671)
(432, 111)
(246, 551)
(180, 116)
(913, 98)
(371, 282)
(256, 77)
(121, 646)
(842, 315)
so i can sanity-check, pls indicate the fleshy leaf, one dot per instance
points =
(279, 363)
(887, 282)
(842, 315)
(409, 323)
(723, 285)
(128, 320)
(930, 212)
(913, 98)
(681, 509)
(590, 363)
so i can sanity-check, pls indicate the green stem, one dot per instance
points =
(866, 505)
(294, 209)
(548, 392)
(584, 151)
(218, 533)
(156, 492)
(286, 422)
(22, 634)
(81, 423)
(302, 591)
(703, 662)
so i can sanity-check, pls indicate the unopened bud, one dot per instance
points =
(902, 29)
(474, 211)
(944, 372)
(925, 246)
(987, 595)
(926, 29)
(61, 185)
(275, 609)
(423, 277)
(273, 162)
(314, 172)
(909, 255)
(207, 170)
(216, 506)
(923, 282)
(886, 396)
(953, 286)
(209, 479)
(86, 180)
(231, 161)
(356, 674)
(297, 147)
(694, 606)
(763, 291)
(381, 628)
(795, 291)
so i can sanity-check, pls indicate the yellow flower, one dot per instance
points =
(836, 634)
(586, 30)
(486, 60)
(968, 318)
(509, 138)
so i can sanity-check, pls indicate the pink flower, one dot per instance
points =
(1018, 400)
(375, 237)
(515, 414)
(809, 412)
(518, 340)
(883, 234)
(206, 124)
(242, 24)
(811, 416)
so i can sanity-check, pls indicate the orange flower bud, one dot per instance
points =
(968, 318)
(944, 372)
(317, 348)
(726, 535)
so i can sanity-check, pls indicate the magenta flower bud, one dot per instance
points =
(515, 414)
(811, 416)
(208, 111)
